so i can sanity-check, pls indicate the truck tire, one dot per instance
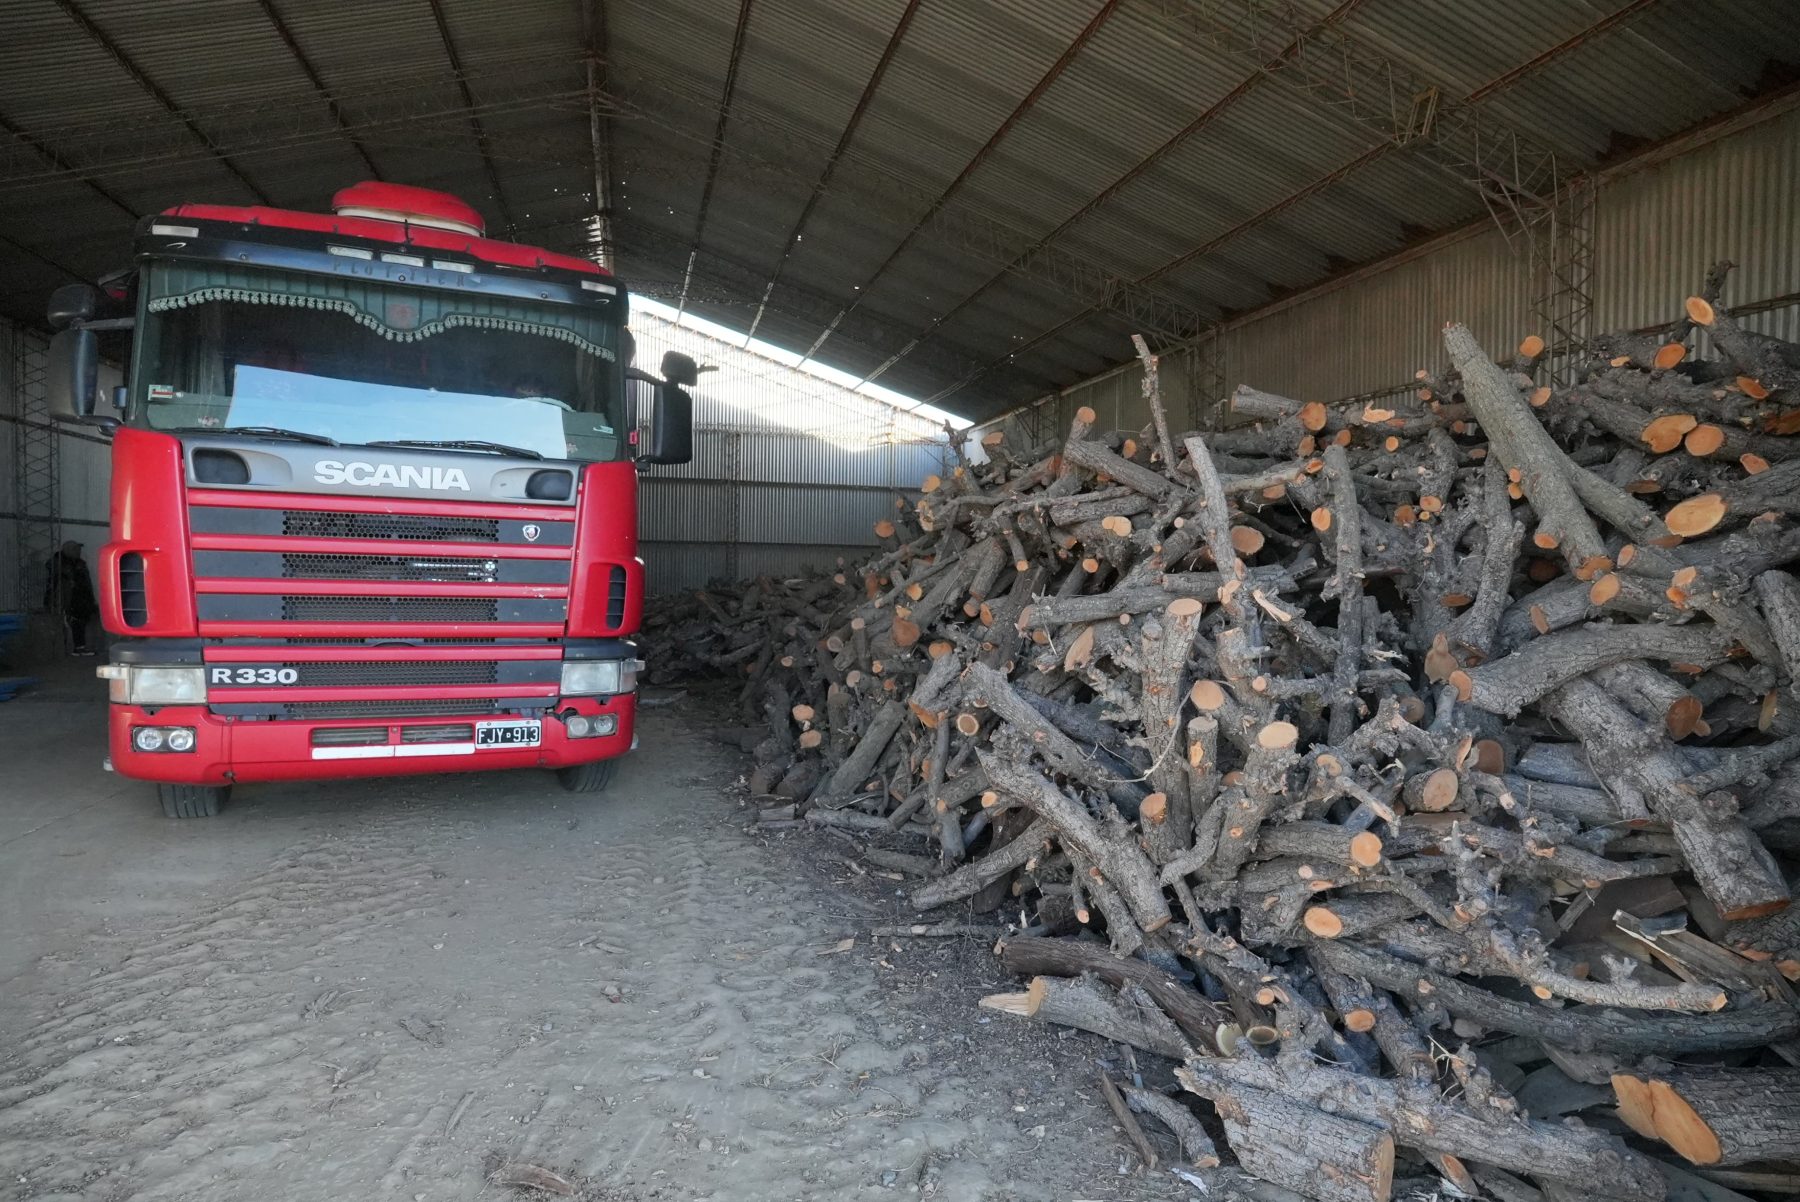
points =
(588, 778)
(192, 801)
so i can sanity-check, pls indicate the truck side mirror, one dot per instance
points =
(671, 426)
(73, 372)
(72, 304)
(678, 368)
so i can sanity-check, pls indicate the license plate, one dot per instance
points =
(508, 734)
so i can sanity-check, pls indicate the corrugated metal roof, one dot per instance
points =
(1237, 185)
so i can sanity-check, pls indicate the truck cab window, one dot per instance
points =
(361, 362)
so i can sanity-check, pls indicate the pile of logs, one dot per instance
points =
(1418, 776)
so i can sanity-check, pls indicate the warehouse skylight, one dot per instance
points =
(789, 359)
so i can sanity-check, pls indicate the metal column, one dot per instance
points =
(1562, 253)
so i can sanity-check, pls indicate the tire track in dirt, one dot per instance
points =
(199, 1051)
(740, 1061)
(627, 990)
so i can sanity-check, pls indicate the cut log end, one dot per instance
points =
(1704, 440)
(1436, 792)
(1278, 736)
(1154, 809)
(1019, 1004)
(1365, 849)
(1665, 433)
(1696, 515)
(1207, 695)
(1322, 922)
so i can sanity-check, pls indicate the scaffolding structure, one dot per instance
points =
(36, 496)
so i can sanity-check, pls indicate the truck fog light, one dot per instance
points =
(579, 727)
(147, 738)
(181, 738)
(605, 724)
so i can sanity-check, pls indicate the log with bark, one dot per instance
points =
(1366, 758)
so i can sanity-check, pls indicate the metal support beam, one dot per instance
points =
(123, 148)
(1510, 170)
(126, 64)
(718, 142)
(48, 155)
(475, 126)
(273, 16)
(837, 152)
(1563, 276)
(1523, 185)
(31, 252)
(1011, 122)
(408, 110)
(593, 22)
(1180, 137)
(887, 196)
(1210, 246)
(1206, 378)
(36, 499)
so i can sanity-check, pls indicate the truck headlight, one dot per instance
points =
(130, 684)
(599, 677)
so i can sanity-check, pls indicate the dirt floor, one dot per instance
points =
(373, 990)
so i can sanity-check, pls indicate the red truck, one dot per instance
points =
(374, 496)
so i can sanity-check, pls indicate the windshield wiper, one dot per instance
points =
(458, 444)
(263, 431)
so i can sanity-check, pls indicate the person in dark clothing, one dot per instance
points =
(70, 592)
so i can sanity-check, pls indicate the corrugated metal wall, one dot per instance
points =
(790, 471)
(1657, 230)
(82, 476)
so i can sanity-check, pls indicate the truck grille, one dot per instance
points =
(412, 672)
(383, 642)
(324, 523)
(384, 709)
(387, 609)
(388, 567)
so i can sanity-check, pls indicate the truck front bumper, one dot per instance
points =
(227, 750)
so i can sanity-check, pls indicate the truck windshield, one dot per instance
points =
(224, 346)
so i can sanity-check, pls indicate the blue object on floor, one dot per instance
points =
(9, 685)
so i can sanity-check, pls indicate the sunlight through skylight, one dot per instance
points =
(787, 358)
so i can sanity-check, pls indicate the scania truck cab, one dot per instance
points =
(374, 496)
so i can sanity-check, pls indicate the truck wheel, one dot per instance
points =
(588, 778)
(192, 801)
